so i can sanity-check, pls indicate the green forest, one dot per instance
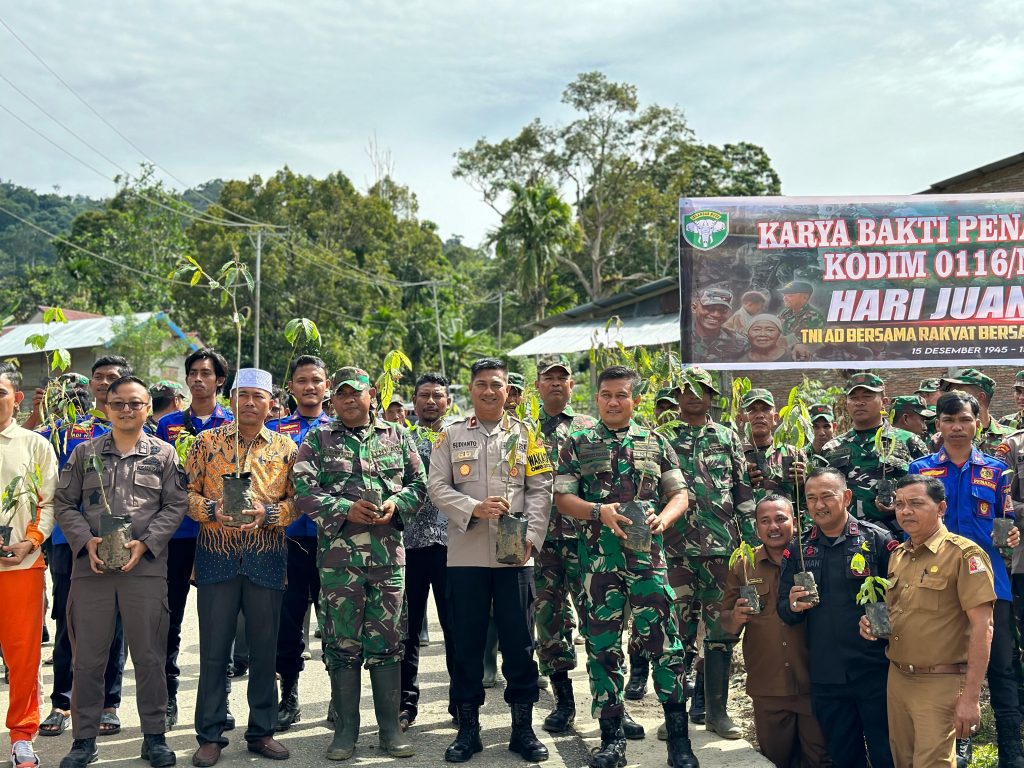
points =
(587, 208)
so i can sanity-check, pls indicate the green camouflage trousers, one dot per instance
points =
(361, 609)
(700, 581)
(649, 599)
(558, 577)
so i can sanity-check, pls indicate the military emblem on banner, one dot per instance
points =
(706, 229)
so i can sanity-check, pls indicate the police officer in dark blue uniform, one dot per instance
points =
(848, 673)
(978, 492)
(308, 382)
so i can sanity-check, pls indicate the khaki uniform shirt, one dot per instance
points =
(933, 587)
(775, 653)
(467, 465)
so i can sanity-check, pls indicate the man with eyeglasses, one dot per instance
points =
(122, 474)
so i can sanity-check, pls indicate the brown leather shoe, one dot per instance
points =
(207, 755)
(270, 748)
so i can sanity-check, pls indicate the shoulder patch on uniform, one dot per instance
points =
(976, 564)
(891, 545)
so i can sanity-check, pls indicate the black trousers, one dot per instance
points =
(471, 594)
(425, 569)
(219, 605)
(302, 590)
(181, 555)
(63, 674)
(852, 715)
(1004, 663)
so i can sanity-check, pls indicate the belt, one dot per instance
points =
(938, 669)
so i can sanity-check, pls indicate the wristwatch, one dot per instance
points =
(595, 511)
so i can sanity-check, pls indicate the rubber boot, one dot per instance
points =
(491, 656)
(964, 752)
(288, 712)
(564, 714)
(680, 751)
(467, 740)
(631, 728)
(612, 752)
(639, 670)
(345, 687)
(523, 739)
(697, 705)
(1011, 753)
(717, 666)
(386, 683)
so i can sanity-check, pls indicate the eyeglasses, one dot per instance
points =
(120, 405)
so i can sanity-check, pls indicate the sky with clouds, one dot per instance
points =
(846, 98)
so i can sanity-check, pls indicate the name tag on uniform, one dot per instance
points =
(463, 455)
(755, 581)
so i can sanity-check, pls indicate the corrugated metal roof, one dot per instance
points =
(647, 330)
(74, 334)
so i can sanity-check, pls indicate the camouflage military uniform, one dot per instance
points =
(725, 347)
(805, 318)
(991, 437)
(772, 458)
(721, 511)
(557, 571)
(601, 465)
(1014, 421)
(361, 566)
(853, 453)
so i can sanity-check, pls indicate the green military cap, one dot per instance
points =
(865, 380)
(74, 379)
(914, 403)
(166, 385)
(1019, 379)
(711, 296)
(551, 363)
(396, 398)
(797, 286)
(701, 376)
(356, 378)
(928, 386)
(819, 411)
(971, 377)
(669, 394)
(757, 396)
(517, 381)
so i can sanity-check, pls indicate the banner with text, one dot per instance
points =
(792, 282)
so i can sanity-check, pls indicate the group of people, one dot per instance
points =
(525, 530)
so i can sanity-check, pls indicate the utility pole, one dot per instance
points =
(437, 324)
(256, 301)
(501, 302)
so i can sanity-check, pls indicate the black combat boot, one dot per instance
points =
(155, 749)
(83, 752)
(523, 739)
(717, 667)
(680, 751)
(467, 740)
(639, 670)
(288, 711)
(1011, 753)
(612, 752)
(697, 705)
(631, 728)
(564, 714)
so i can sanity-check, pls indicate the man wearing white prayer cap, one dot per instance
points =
(240, 493)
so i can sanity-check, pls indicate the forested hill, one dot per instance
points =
(20, 245)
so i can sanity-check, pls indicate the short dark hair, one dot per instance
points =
(220, 364)
(302, 360)
(164, 399)
(952, 402)
(933, 486)
(431, 378)
(119, 362)
(487, 364)
(774, 497)
(826, 472)
(279, 394)
(12, 373)
(80, 397)
(615, 372)
(126, 379)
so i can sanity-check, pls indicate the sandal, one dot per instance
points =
(55, 723)
(110, 724)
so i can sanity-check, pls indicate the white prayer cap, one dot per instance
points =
(255, 378)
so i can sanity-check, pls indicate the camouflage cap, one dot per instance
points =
(865, 380)
(972, 377)
(821, 411)
(396, 398)
(701, 376)
(928, 386)
(1019, 380)
(797, 286)
(913, 403)
(517, 381)
(711, 296)
(549, 363)
(74, 379)
(671, 394)
(757, 396)
(356, 378)
(166, 385)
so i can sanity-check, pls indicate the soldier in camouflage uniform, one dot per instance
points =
(710, 339)
(767, 464)
(972, 381)
(911, 413)
(799, 314)
(1016, 420)
(557, 571)
(604, 471)
(823, 422)
(854, 453)
(698, 546)
(356, 477)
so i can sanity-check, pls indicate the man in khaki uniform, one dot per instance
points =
(941, 587)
